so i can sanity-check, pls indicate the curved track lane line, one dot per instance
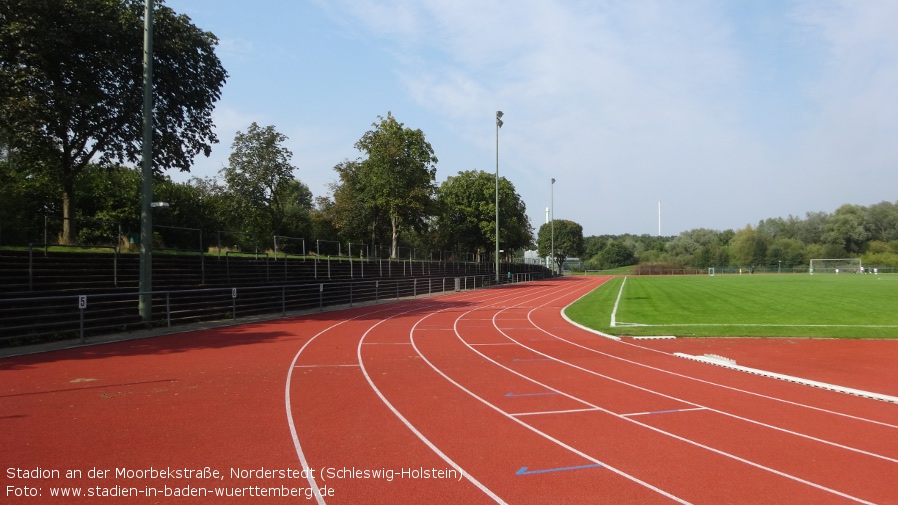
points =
(500, 302)
(411, 427)
(292, 425)
(704, 381)
(628, 419)
(694, 404)
(521, 423)
(289, 378)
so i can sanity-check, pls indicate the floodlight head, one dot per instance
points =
(553, 180)
(499, 114)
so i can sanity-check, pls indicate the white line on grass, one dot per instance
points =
(761, 325)
(616, 303)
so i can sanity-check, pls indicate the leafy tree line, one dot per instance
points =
(71, 81)
(870, 233)
(387, 201)
(71, 75)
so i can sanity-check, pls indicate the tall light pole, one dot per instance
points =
(145, 281)
(498, 125)
(552, 224)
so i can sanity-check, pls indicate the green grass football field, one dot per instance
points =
(822, 306)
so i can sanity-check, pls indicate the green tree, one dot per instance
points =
(617, 254)
(845, 229)
(593, 245)
(396, 180)
(700, 247)
(106, 198)
(298, 203)
(466, 218)
(215, 202)
(71, 87)
(809, 230)
(356, 216)
(568, 240)
(749, 247)
(260, 180)
(881, 254)
(25, 199)
(882, 219)
(323, 216)
(787, 252)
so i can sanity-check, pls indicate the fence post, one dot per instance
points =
(30, 268)
(82, 304)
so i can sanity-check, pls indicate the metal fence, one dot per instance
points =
(42, 319)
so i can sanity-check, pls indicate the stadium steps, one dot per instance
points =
(111, 284)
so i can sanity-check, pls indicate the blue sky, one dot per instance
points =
(727, 112)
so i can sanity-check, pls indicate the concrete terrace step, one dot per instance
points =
(39, 293)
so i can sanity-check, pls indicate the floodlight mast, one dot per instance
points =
(145, 281)
(499, 123)
(552, 225)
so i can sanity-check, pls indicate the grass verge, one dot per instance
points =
(819, 306)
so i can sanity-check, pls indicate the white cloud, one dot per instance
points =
(728, 112)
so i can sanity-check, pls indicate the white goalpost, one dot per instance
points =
(835, 266)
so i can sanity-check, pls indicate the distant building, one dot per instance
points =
(532, 258)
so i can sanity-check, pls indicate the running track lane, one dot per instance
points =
(211, 398)
(674, 447)
(216, 398)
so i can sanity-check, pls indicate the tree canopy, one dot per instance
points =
(267, 198)
(71, 88)
(466, 219)
(568, 240)
(394, 183)
(780, 244)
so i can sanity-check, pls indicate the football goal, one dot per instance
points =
(835, 266)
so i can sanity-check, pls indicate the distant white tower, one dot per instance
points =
(659, 218)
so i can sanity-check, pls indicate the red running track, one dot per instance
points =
(478, 397)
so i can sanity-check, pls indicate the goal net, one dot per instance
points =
(835, 266)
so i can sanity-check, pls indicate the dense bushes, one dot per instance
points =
(870, 233)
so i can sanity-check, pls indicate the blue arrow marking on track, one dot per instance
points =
(531, 394)
(525, 471)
